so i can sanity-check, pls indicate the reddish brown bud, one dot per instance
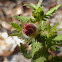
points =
(29, 29)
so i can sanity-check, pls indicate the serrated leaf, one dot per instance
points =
(40, 59)
(25, 53)
(16, 26)
(39, 3)
(31, 5)
(52, 10)
(15, 33)
(53, 48)
(58, 37)
(44, 25)
(40, 55)
(23, 19)
(35, 47)
(54, 28)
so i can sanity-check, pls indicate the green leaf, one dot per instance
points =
(39, 10)
(40, 59)
(53, 48)
(16, 26)
(48, 30)
(39, 3)
(44, 26)
(15, 33)
(54, 28)
(23, 19)
(58, 37)
(52, 10)
(25, 53)
(35, 47)
(32, 19)
(41, 55)
(31, 5)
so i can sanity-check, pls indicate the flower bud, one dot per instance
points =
(29, 29)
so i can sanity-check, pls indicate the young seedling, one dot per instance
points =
(39, 34)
